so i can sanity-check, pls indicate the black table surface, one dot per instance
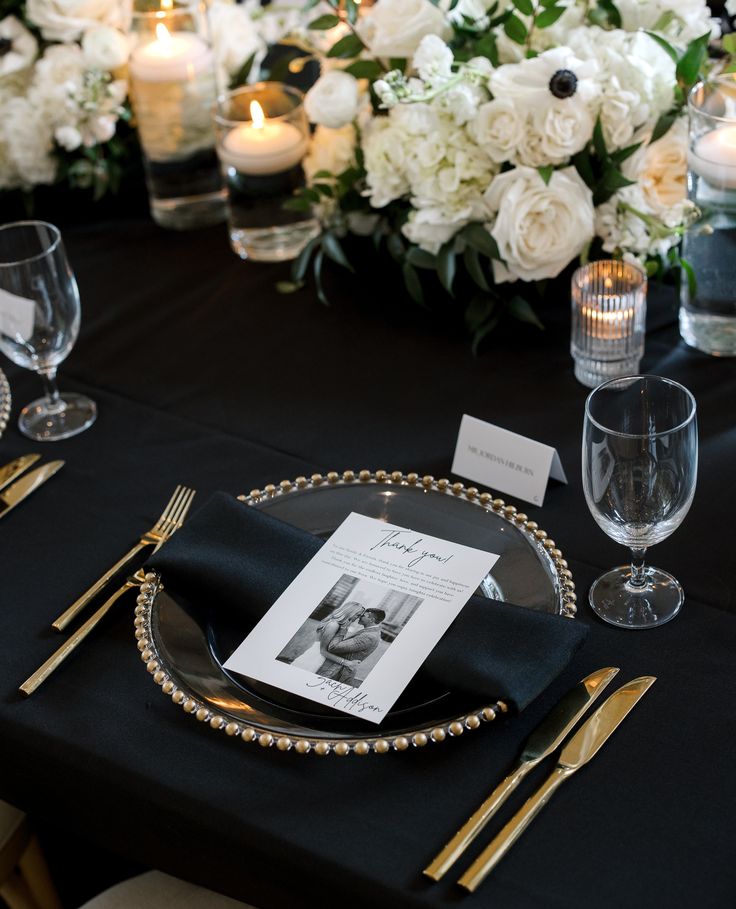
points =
(205, 375)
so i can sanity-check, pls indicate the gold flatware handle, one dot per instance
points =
(453, 849)
(71, 643)
(78, 605)
(500, 845)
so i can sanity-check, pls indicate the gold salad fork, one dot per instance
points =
(172, 524)
(152, 537)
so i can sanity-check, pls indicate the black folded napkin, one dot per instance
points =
(242, 559)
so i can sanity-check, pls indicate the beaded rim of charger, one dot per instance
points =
(5, 402)
(378, 744)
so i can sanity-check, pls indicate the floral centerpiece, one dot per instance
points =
(502, 141)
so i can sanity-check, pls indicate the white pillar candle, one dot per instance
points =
(170, 58)
(262, 146)
(714, 157)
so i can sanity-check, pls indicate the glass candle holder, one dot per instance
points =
(708, 311)
(172, 87)
(262, 137)
(609, 303)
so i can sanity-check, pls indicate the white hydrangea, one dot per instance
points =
(29, 141)
(433, 60)
(384, 148)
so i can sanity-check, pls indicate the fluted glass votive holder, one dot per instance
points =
(609, 304)
(262, 138)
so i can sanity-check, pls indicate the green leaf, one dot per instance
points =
(478, 311)
(692, 281)
(324, 190)
(546, 4)
(614, 16)
(298, 203)
(599, 142)
(301, 263)
(623, 153)
(322, 23)
(348, 46)
(665, 45)
(478, 237)
(526, 7)
(412, 282)
(241, 75)
(351, 8)
(584, 166)
(332, 247)
(395, 247)
(688, 67)
(545, 172)
(549, 16)
(323, 175)
(521, 309)
(420, 258)
(446, 265)
(729, 43)
(652, 267)
(482, 333)
(288, 287)
(611, 181)
(486, 47)
(317, 268)
(397, 63)
(662, 125)
(364, 69)
(515, 29)
(471, 258)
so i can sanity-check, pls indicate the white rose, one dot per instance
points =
(539, 228)
(498, 129)
(333, 99)
(332, 150)
(427, 229)
(66, 20)
(23, 46)
(661, 169)
(105, 48)
(564, 129)
(433, 60)
(394, 28)
(235, 39)
(688, 19)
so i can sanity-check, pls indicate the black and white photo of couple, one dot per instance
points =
(350, 630)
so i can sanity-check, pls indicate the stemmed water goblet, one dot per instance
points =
(640, 460)
(38, 288)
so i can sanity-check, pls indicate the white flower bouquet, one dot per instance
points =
(493, 142)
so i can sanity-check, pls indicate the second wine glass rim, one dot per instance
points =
(637, 435)
(32, 223)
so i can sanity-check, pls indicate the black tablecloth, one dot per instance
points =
(205, 375)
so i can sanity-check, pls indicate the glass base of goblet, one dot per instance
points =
(45, 422)
(617, 601)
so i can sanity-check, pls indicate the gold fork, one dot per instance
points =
(150, 538)
(174, 522)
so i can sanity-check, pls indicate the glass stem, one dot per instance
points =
(51, 389)
(638, 569)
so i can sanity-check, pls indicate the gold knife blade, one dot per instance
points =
(15, 468)
(27, 484)
(581, 748)
(545, 739)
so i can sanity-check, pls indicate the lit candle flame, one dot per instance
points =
(163, 34)
(167, 4)
(256, 115)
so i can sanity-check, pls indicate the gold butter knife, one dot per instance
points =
(15, 468)
(27, 484)
(583, 746)
(541, 743)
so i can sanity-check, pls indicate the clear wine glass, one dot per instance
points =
(38, 291)
(640, 461)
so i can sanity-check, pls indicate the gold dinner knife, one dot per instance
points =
(14, 469)
(541, 743)
(583, 746)
(27, 484)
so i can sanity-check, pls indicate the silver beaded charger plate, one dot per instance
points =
(5, 402)
(184, 645)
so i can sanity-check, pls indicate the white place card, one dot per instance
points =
(505, 461)
(358, 621)
(16, 315)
